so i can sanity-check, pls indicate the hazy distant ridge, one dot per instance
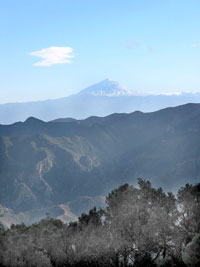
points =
(100, 99)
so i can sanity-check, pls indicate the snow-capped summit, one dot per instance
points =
(106, 88)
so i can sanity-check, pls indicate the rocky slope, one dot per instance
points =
(46, 164)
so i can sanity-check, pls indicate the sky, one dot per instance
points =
(55, 48)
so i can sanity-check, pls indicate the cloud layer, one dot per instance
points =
(53, 55)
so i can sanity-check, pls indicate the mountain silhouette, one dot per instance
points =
(45, 164)
(100, 99)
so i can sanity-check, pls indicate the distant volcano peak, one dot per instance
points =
(106, 87)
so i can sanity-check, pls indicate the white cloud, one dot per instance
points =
(53, 55)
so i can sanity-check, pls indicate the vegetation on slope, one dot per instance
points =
(140, 226)
(47, 164)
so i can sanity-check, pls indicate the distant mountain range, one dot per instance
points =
(64, 167)
(100, 99)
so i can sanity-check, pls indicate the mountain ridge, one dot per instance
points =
(100, 99)
(47, 164)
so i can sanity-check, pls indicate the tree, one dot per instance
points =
(141, 222)
(189, 211)
(191, 254)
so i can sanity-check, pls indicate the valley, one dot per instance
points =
(47, 164)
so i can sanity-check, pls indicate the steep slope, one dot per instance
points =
(48, 164)
(62, 212)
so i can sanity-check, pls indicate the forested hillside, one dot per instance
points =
(141, 226)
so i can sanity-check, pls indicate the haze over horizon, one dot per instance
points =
(110, 88)
(55, 49)
(99, 133)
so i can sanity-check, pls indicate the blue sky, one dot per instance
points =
(147, 45)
